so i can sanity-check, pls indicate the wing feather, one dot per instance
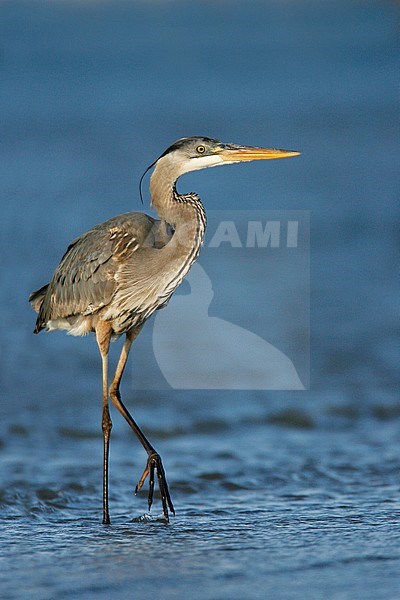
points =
(86, 279)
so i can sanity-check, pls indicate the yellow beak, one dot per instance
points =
(233, 153)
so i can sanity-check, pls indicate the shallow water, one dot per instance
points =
(278, 494)
(271, 501)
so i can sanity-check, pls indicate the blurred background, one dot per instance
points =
(279, 494)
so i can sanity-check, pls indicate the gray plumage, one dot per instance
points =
(90, 276)
(113, 277)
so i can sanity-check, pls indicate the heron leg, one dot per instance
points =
(103, 336)
(154, 463)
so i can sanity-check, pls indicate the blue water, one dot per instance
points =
(278, 494)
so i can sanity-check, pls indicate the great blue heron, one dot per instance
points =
(113, 277)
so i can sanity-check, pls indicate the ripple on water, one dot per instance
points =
(292, 418)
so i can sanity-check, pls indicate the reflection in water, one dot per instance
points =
(196, 351)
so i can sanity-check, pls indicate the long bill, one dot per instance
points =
(233, 153)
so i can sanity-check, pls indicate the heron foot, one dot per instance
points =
(154, 464)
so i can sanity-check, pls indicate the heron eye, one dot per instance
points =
(200, 149)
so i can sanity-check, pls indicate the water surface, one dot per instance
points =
(278, 494)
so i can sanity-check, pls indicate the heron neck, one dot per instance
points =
(185, 213)
(176, 209)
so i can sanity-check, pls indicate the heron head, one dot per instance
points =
(193, 153)
(199, 152)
